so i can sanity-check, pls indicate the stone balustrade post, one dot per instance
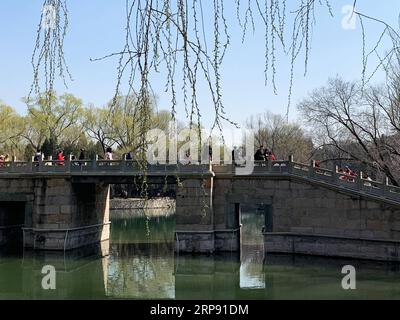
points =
(290, 164)
(311, 169)
(124, 163)
(13, 160)
(385, 185)
(313, 163)
(94, 162)
(41, 164)
(335, 175)
(31, 163)
(360, 181)
(68, 163)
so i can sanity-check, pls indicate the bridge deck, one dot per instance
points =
(125, 168)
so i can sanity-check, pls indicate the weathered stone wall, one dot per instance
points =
(60, 214)
(310, 209)
(332, 246)
(197, 227)
(194, 216)
(194, 210)
(67, 215)
(307, 208)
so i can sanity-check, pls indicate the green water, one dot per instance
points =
(141, 264)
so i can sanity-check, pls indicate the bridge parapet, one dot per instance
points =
(128, 167)
(99, 166)
(311, 172)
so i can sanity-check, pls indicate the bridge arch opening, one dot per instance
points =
(12, 219)
(142, 235)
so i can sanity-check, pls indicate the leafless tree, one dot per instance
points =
(282, 138)
(361, 123)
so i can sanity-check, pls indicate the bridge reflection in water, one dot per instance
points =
(140, 263)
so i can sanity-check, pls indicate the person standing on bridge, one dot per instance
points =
(38, 155)
(259, 155)
(60, 158)
(271, 156)
(82, 155)
(234, 152)
(266, 154)
(128, 156)
(109, 154)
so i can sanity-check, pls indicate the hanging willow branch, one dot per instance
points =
(48, 59)
(187, 42)
(171, 35)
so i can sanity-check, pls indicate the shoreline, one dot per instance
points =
(137, 207)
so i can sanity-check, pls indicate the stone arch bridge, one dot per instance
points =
(307, 210)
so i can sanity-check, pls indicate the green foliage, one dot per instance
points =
(51, 116)
(11, 128)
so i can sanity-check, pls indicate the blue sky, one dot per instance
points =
(96, 29)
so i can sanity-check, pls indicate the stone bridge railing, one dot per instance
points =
(105, 167)
(311, 172)
(126, 167)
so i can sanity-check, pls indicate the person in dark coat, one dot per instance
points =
(82, 155)
(259, 155)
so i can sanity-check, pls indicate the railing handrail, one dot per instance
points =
(334, 177)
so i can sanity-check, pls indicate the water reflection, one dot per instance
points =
(140, 271)
(142, 257)
(140, 263)
(80, 274)
(252, 251)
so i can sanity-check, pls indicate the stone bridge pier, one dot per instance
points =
(199, 227)
(67, 215)
(54, 213)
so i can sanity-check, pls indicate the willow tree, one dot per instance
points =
(176, 37)
(11, 128)
(53, 118)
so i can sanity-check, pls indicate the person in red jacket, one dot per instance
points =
(271, 156)
(60, 158)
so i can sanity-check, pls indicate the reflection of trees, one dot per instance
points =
(138, 271)
(142, 262)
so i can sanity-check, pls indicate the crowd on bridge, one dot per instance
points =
(264, 154)
(261, 155)
(60, 157)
